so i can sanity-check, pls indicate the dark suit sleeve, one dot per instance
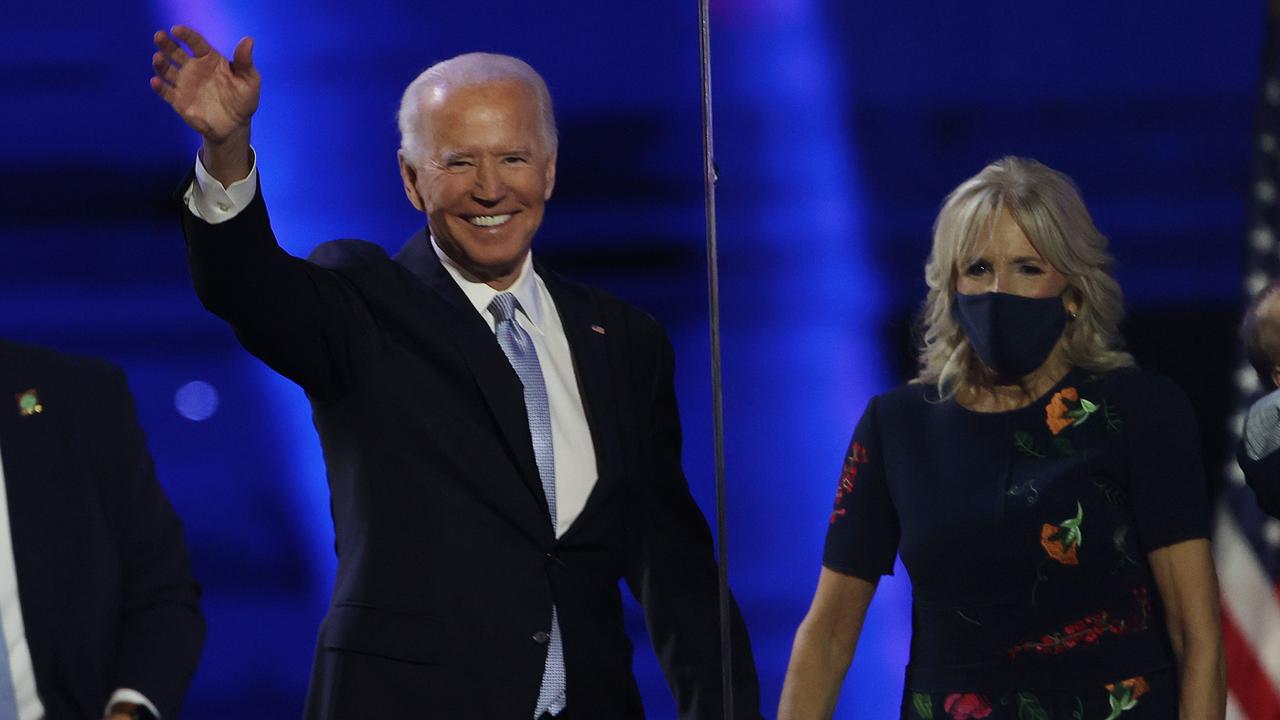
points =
(307, 322)
(161, 628)
(673, 572)
(1263, 476)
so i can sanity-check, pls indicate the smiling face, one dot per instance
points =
(1007, 262)
(482, 175)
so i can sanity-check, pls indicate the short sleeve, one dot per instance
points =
(1166, 474)
(862, 536)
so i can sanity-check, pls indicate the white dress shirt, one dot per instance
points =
(15, 633)
(575, 456)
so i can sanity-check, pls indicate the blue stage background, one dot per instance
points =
(840, 126)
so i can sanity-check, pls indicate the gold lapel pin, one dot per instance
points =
(597, 328)
(29, 402)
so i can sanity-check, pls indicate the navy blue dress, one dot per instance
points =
(1025, 535)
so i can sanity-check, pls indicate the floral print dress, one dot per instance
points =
(1025, 535)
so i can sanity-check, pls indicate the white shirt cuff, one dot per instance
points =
(208, 200)
(125, 695)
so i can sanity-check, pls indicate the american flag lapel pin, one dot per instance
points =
(29, 402)
(597, 329)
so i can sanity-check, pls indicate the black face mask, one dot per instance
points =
(1012, 334)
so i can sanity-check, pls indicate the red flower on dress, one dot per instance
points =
(857, 456)
(1090, 629)
(966, 706)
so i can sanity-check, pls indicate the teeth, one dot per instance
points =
(490, 220)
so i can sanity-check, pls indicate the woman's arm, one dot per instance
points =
(1188, 586)
(824, 646)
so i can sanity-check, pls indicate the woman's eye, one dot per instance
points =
(976, 269)
(1032, 270)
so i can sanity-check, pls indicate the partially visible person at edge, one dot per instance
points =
(502, 443)
(1260, 437)
(1047, 497)
(100, 613)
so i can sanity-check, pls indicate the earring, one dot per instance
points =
(1073, 314)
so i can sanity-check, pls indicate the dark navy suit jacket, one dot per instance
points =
(448, 565)
(104, 578)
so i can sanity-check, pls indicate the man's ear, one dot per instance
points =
(409, 176)
(549, 176)
(1275, 376)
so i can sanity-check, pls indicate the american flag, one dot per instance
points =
(1246, 540)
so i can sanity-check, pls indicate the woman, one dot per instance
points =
(1046, 497)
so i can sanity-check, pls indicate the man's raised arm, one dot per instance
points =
(305, 321)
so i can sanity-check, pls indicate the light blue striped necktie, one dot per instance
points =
(518, 346)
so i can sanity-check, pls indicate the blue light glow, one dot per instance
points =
(196, 400)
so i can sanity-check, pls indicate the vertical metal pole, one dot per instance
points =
(717, 398)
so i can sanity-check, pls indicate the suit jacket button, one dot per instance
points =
(541, 637)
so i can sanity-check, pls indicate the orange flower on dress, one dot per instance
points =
(1124, 695)
(1057, 549)
(1060, 541)
(1055, 413)
(1067, 408)
(1137, 687)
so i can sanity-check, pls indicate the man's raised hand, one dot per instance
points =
(216, 98)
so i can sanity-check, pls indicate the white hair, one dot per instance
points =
(469, 70)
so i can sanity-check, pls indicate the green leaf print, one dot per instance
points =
(1117, 707)
(1063, 445)
(1027, 488)
(1070, 529)
(1029, 707)
(923, 705)
(1074, 522)
(1114, 421)
(1026, 444)
(1113, 494)
(1081, 412)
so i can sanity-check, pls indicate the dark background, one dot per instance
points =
(840, 126)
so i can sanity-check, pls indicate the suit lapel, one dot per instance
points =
(499, 384)
(586, 330)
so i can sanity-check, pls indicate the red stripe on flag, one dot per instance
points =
(1245, 677)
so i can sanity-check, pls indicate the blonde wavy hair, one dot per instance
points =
(1047, 207)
